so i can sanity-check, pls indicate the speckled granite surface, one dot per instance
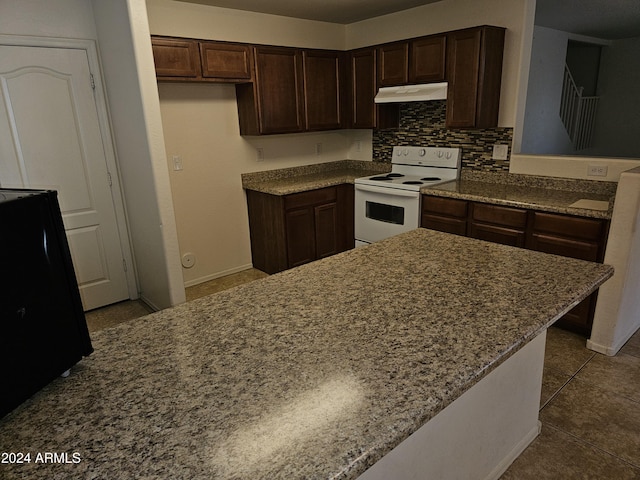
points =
(525, 191)
(299, 179)
(528, 191)
(316, 372)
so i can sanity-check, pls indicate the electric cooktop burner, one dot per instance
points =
(413, 168)
(388, 176)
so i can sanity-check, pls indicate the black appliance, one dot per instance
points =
(43, 331)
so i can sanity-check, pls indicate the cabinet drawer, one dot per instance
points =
(444, 206)
(584, 250)
(312, 197)
(495, 234)
(457, 226)
(566, 226)
(497, 215)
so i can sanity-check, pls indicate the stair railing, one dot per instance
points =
(578, 112)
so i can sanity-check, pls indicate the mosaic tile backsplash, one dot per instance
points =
(423, 124)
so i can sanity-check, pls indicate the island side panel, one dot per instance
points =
(481, 433)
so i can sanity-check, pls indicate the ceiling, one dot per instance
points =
(606, 19)
(334, 11)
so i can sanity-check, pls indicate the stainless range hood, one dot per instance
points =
(412, 93)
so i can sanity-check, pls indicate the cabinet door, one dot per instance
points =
(279, 89)
(474, 73)
(225, 61)
(393, 64)
(301, 238)
(176, 58)
(323, 89)
(428, 59)
(326, 230)
(363, 88)
(463, 57)
(444, 214)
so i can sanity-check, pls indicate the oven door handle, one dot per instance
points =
(388, 191)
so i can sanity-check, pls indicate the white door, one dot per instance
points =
(50, 137)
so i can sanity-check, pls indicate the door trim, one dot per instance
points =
(108, 142)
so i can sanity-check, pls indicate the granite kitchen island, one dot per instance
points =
(317, 372)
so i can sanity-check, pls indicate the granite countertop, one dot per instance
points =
(525, 191)
(285, 181)
(315, 372)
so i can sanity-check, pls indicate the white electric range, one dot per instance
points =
(389, 204)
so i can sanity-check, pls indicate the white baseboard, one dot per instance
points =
(612, 350)
(213, 276)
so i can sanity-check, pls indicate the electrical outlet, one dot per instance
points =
(177, 163)
(260, 154)
(597, 171)
(500, 151)
(318, 149)
(358, 146)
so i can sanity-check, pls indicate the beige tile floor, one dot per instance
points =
(590, 403)
(590, 413)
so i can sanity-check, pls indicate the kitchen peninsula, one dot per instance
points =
(321, 371)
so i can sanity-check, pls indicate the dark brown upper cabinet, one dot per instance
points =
(274, 102)
(427, 61)
(393, 64)
(363, 87)
(190, 60)
(364, 113)
(474, 73)
(176, 58)
(226, 61)
(324, 89)
(420, 60)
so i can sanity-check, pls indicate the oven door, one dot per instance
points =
(382, 212)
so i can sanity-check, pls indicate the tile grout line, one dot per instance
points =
(580, 439)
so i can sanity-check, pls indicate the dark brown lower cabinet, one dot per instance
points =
(565, 235)
(498, 224)
(291, 230)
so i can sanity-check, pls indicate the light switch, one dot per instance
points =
(177, 163)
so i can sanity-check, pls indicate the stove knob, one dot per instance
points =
(448, 155)
(422, 152)
(405, 152)
(440, 153)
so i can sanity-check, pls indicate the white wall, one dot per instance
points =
(200, 125)
(617, 314)
(77, 19)
(65, 18)
(125, 48)
(543, 131)
(618, 121)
